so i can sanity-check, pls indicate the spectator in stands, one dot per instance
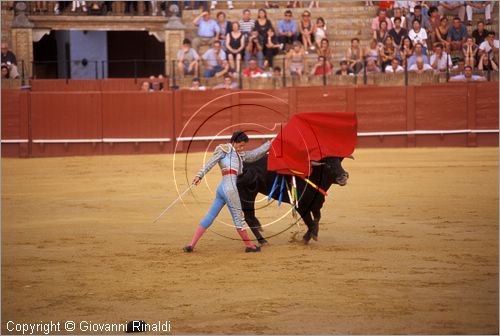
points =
(460, 66)
(247, 25)
(467, 76)
(228, 84)
(226, 70)
(406, 51)
(277, 71)
(253, 70)
(478, 7)
(479, 34)
(8, 58)
(387, 53)
(272, 47)
(325, 50)
(470, 50)
(187, 60)
(354, 56)
(442, 34)
(196, 85)
(381, 34)
(229, 4)
(434, 23)
(214, 58)
(457, 35)
(254, 49)
(418, 35)
(418, 16)
(235, 45)
(145, 86)
(386, 5)
(371, 67)
(440, 60)
(405, 8)
(418, 52)
(306, 31)
(489, 46)
(320, 32)
(372, 51)
(394, 67)
(77, 4)
(5, 72)
(420, 66)
(313, 4)
(398, 33)
(398, 15)
(208, 30)
(224, 28)
(262, 26)
(287, 29)
(40, 6)
(321, 67)
(296, 59)
(368, 3)
(59, 7)
(382, 16)
(344, 69)
(487, 64)
(452, 8)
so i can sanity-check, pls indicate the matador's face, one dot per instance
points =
(239, 146)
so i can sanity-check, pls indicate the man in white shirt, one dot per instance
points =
(467, 76)
(490, 46)
(420, 66)
(394, 67)
(440, 59)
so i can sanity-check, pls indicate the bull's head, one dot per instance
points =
(333, 170)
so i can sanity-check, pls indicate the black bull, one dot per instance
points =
(257, 179)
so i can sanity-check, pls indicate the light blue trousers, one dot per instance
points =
(227, 193)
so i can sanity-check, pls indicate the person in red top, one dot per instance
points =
(387, 5)
(321, 67)
(253, 70)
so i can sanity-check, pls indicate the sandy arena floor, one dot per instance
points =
(410, 245)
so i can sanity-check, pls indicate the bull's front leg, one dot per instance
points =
(317, 216)
(307, 218)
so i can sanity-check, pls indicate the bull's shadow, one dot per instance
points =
(257, 179)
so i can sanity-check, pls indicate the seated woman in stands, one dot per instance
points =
(442, 34)
(272, 47)
(5, 72)
(381, 33)
(372, 52)
(354, 56)
(235, 45)
(325, 50)
(296, 59)
(320, 32)
(406, 50)
(387, 53)
(306, 31)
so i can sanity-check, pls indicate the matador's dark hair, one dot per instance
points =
(239, 136)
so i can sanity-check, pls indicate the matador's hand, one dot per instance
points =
(196, 180)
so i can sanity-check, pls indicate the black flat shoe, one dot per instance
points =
(250, 249)
(188, 249)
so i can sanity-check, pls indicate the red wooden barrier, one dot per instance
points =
(15, 121)
(117, 122)
(137, 122)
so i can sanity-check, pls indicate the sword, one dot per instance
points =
(174, 202)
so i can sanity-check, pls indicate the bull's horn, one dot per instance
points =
(350, 157)
(316, 163)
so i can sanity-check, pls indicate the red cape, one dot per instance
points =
(312, 136)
